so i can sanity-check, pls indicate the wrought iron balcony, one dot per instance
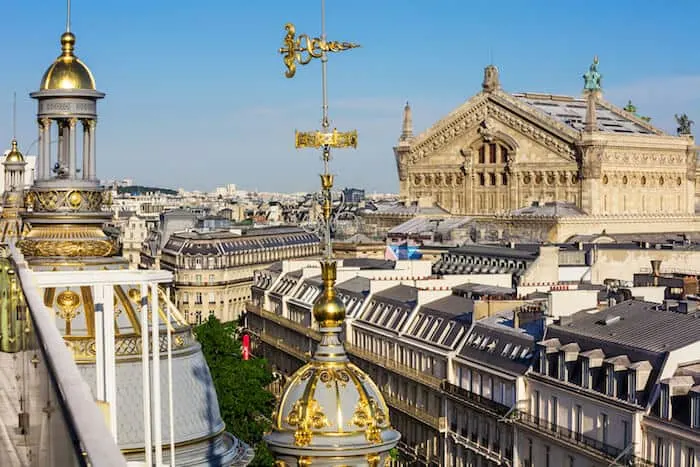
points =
(419, 413)
(393, 365)
(572, 437)
(483, 403)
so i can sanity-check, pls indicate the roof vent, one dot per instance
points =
(607, 321)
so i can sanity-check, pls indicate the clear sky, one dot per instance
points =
(196, 95)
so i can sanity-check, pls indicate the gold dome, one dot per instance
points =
(330, 408)
(14, 155)
(67, 72)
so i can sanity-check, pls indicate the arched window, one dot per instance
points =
(493, 153)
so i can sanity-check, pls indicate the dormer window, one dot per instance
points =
(694, 409)
(610, 383)
(632, 386)
(665, 402)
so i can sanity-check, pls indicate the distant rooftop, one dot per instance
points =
(571, 111)
(637, 324)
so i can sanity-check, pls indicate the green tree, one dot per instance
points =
(246, 406)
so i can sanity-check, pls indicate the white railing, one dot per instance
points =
(92, 440)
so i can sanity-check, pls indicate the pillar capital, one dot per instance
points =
(44, 122)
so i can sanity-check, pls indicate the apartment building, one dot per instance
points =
(213, 271)
(477, 373)
(596, 379)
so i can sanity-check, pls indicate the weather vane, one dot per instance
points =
(302, 50)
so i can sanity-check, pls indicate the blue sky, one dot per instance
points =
(196, 95)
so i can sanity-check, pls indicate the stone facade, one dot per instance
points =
(499, 152)
(214, 270)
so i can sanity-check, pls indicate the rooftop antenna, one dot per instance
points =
(68, 16)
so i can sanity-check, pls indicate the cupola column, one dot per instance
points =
(72, 158)
(86, 149)
(92, 161)
(40, 145)
(45, 149)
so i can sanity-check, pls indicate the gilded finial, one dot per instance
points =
(67, 43)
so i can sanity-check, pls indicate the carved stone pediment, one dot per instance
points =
(482, 112)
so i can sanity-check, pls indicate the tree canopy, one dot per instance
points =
(246, 406)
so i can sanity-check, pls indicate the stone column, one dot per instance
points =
(93, 135)
(72, 158)
(86, 149)
(61, 150)
(45, 158)
(39, 172)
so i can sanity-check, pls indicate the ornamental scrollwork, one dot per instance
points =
(343, 221)
(64, 200)
(69, 248)
(305, 416)
(371, 417)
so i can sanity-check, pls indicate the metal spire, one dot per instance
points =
(14, 115)
(68, 16)
(302, 49)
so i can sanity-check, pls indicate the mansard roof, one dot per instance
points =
(224, 242)
(442, 321)
(493, 342)
(634, 324)
(399, 293)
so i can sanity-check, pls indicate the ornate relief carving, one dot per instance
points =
(69, 248)
(487, 130)
(306, 415)
(448, 131)
(64, 200)
(533, 132)
(592, 159)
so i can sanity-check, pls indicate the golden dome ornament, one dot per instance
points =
(67, 71)
(14, 156)
(331, 413)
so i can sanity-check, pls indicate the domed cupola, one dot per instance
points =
(331, 413)
(67, 71)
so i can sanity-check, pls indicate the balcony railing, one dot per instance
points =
(50, 414)
(572, 437)
(404, 370)
(284, 322)
(484, 403)
(419, 413)
(278, 343)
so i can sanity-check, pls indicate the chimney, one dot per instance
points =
(516, 319)
(655, 270)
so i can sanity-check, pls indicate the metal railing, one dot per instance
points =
(57, 421)
(484, 403)
(573, 437)
(419, 413)
(391, 364)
